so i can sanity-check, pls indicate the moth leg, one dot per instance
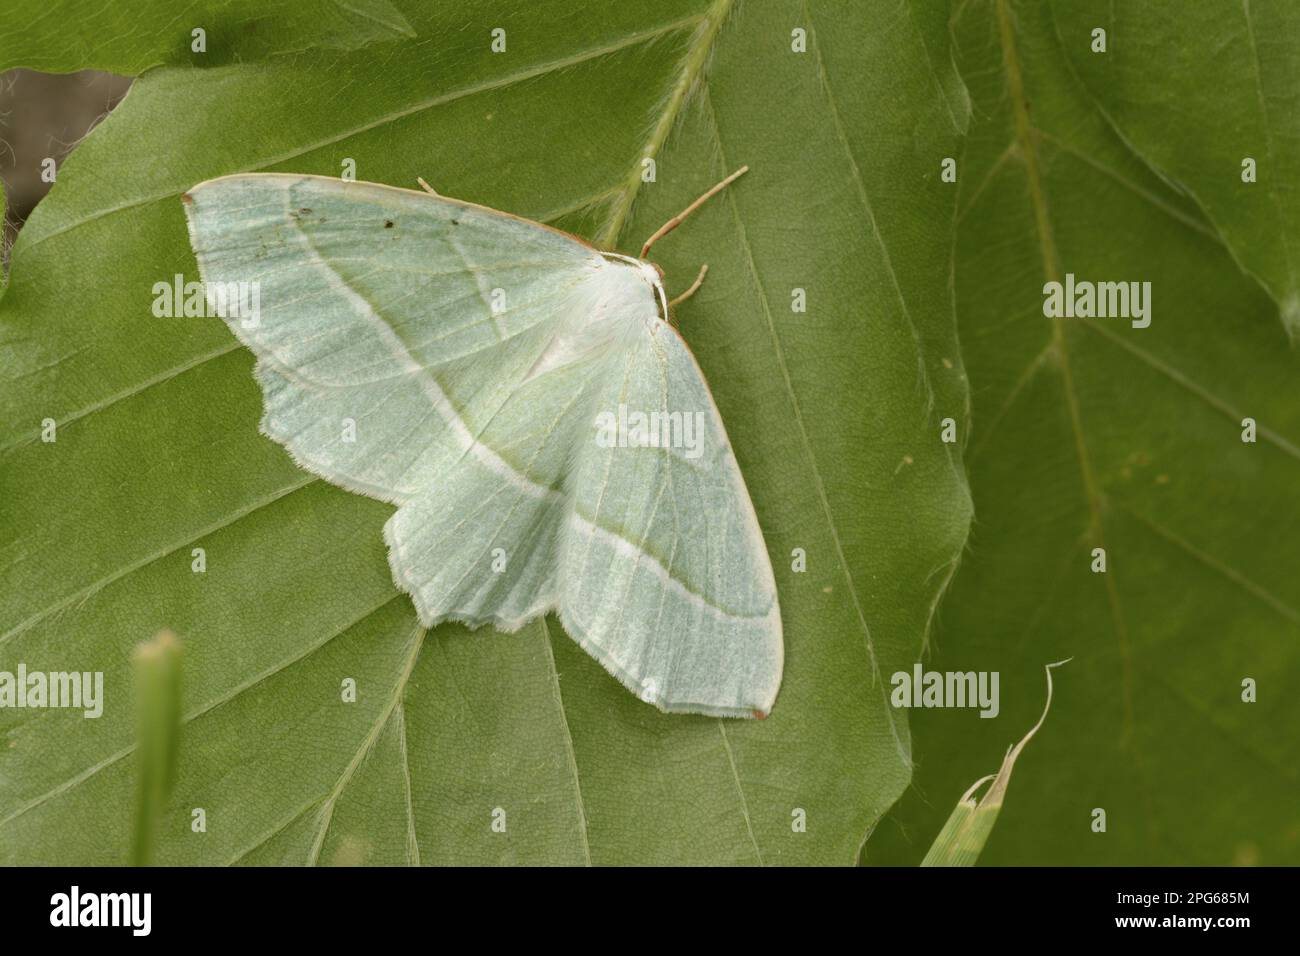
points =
(427, 188)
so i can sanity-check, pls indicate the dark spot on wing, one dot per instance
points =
(455, 222)
(298, 214)
(388, 224)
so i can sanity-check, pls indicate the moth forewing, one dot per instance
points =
(454, 360)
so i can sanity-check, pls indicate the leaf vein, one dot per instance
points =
(551, 66)
(570, 755)
(416, 641)
(194, 715)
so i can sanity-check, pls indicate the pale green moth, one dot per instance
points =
(546, 435)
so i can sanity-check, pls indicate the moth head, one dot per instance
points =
(654, 276)
(651, 272)
(648, 272)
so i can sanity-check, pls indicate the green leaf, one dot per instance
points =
(1236, 62)
(834, 415)
(1089, 433)
(61, 36)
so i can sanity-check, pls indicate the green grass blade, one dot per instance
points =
(963, 836)
(158, 707)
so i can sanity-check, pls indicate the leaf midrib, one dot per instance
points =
(697, 54)
(542, 69)
(693, 63)
(1050, 260)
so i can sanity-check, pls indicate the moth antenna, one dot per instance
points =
(676, 221)
(699, 281)
(427, 188)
